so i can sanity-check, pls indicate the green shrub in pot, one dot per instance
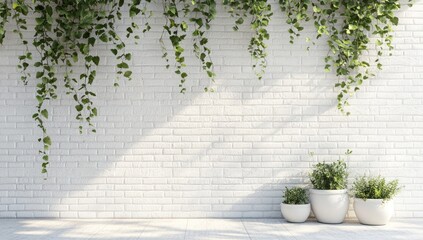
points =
(329, 176)
(295, 206)
(375, 188)
(373, 196)
(295, 195)
(329, 197)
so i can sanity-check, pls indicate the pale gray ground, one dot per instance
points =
(36, 229)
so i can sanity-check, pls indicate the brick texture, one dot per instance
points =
(161, 154)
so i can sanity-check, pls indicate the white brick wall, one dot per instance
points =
(158, 153)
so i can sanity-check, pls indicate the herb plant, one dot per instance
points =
(295, 195)
(330, 176)
(375, 188)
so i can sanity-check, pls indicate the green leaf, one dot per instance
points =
(40, 99)
(316, 9)
(44, 112)
(39, 74)
(96, 60)
(104, 38)
(395, 20)
(127, 74)
(79, 107)
(123, 65)
(47, 140)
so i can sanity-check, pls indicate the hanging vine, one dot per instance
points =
(4, 15)
(349, 25)
(67, 31)
(176, 29)
(204, 12)
(260, 12)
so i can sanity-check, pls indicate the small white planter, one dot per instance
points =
(373, 211)
(296, 213)
(329, 206)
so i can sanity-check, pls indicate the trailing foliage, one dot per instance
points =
(348, 25)
(204, 12)
(330, 176)
(260, 12)
(375, 188)
(176, 29)
(66, 31)
(4, 15)
(176, 12)
(295, 195)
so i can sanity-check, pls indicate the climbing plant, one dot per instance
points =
(203, 12)
(349, 27)
(260, 12)
(67, 31)
(200, 14)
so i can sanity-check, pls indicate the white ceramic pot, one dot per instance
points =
(296, 213)
(329, 206)
(373, 211)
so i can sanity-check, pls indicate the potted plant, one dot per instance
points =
(373, 203)
(329, 197)
(295, 206)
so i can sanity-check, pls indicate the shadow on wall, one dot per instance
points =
(178, 161)
(161, 154)
(193, 155)
(173, 172)
(265, 200)
(158, 153)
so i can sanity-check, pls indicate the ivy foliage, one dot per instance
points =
(203, 11)
(295, 195)
(4, 15)
(260, 12)
(375, 188)
(349, 27)
(178, 14)
(67, 31)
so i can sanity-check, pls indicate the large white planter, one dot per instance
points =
(296, 213)
(373, 211)
(329, 206)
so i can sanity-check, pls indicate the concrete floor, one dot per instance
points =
(36, 229)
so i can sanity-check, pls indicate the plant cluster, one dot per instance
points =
(330, 176)
(349, 26)
(375, 188)
(295, 195)
(200, 14)
(67, 31)
(260, 12)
